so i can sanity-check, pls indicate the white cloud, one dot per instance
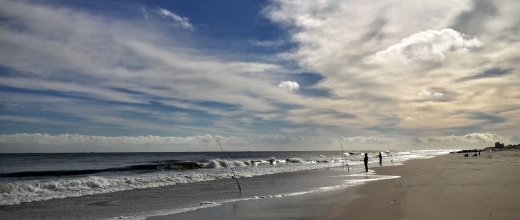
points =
(85, 143)
(429, 45)
(328, 45)
(271, 43)
(415, 118)
(473, 140)
(109, 57)
(426, 93)
(107, 60)
(146, 15)
(176, 19)
(288, 85)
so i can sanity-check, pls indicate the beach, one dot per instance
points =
(177, 185)
(448, 186)
(445, 187)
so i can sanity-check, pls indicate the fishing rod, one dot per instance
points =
(391, 156)
(344, 157)
(229, 164)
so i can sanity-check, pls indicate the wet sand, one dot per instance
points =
(162, 202)
(302, 206)
(445, 187)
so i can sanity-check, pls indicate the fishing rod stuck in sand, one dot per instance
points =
(229, 164)
(344, 157)
(390, 150)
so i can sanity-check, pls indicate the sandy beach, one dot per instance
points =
(445, 187)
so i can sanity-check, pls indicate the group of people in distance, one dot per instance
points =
(365, 160)
(467, 154)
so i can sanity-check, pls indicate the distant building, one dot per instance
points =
(499, 145)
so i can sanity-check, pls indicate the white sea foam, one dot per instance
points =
(143, 216)
(39, 190)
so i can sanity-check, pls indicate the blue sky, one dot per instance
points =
(434, 75)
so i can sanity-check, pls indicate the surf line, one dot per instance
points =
(229, 164)
(344, 157)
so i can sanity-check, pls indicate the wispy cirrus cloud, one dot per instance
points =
(271, 43)
(177, 20)
(71, 65)
(97, 62)
(490, 73)
(429, 45)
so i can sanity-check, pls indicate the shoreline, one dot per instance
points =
(207, 200)
(448, 186)
(444, 187)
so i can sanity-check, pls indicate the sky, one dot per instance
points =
(128, 75)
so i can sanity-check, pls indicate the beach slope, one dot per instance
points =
(445, 187)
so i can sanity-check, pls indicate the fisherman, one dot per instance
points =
(366, 162)
(380, 159)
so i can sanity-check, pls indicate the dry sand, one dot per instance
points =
(445, 187)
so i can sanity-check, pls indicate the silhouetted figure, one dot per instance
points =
(479, 153)
(380, 159)
(366, 162)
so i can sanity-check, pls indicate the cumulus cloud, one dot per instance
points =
(429, 45)
(183, 22)
(85, 143)
(335, 49)
(426, 93)
(15, 143)
(288, 85)
(474, 140)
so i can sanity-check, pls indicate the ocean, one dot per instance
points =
(168, 185)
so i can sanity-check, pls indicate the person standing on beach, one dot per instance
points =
(380, 159)
(366, 162)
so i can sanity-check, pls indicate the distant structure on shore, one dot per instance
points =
(498, 146)
(501, 146)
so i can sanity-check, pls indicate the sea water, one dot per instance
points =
(141, 185)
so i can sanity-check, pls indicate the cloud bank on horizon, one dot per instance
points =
(41, 143)
(409, 72)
